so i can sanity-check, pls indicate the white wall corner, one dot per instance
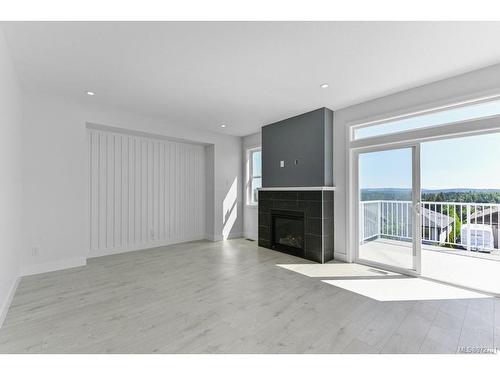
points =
(213, 237)
(10, 296)
(341, 257)
(34, 269)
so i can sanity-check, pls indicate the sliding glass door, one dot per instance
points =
(388, 206)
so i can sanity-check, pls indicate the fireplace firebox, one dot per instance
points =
(288, 232)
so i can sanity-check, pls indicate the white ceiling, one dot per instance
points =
(243, 74)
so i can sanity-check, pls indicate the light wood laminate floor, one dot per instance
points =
(227, 297)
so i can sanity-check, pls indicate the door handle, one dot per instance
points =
(417, 207)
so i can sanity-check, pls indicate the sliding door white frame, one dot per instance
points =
(401, 140)
(416, 228)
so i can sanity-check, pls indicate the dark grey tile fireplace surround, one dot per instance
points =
(311, 212)
(296, 198)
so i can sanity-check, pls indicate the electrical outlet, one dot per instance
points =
(282, 164)
(35, 251)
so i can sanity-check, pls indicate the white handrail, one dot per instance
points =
(442, 222)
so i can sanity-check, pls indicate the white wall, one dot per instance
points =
(210, 192)
(144, 191)
(250, 213)
(476, 84)
(56, 209)
(10, 178)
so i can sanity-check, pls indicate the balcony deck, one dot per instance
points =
(471, 269)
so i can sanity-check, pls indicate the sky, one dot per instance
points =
(468, 162)
(257, 163)
(447, 116)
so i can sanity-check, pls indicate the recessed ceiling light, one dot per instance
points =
(90, 93)
(223, 126)
(324, 86)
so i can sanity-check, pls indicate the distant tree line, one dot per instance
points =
(463, 197)
(389, 195)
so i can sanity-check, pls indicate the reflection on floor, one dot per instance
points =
(337, 270)
(381, 285)
(472, 272)
(404, 289)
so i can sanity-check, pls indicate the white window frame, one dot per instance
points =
(465, 128)
(416, 112)
(416, 193)
(249, 179)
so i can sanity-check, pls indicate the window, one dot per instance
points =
(444, 116)
(255, 174)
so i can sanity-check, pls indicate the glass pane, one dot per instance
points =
(256, 164)
(256, 183)
(461, 211)
(385, 207)
(443, 117)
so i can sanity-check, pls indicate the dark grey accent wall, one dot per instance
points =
(328, 173)
(305, 144)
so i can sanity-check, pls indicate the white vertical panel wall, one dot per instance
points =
(144, 192)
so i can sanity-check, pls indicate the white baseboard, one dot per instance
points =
(58, 265)
(213, 237)
(235, 235)
(150, 245)
(219, 237)
(252, 236)
(10, 296)
(341, 257)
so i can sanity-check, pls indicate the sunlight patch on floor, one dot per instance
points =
(404, 289)
(336, 270)
(474, 271)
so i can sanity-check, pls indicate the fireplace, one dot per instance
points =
(288, 232)
(297, 222)
(296, 197)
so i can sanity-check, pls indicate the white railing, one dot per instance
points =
(471, 226)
